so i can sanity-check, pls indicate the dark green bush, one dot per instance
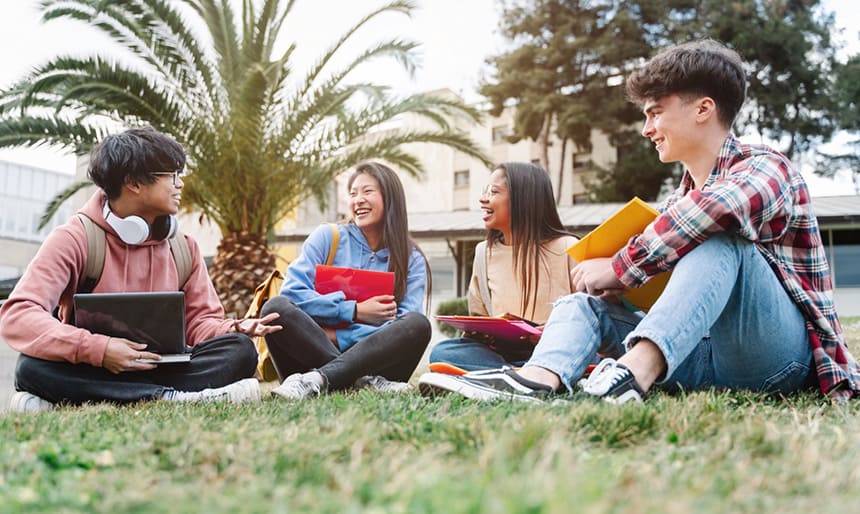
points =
(455, 307)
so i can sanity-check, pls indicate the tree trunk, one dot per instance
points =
(242, 261)
(560, 171)
(544, 141)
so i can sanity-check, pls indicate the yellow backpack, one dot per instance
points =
(267, 289)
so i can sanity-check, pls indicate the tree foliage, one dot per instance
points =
(261, 137)
(568, 56)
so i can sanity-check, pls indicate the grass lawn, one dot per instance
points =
(360, 452)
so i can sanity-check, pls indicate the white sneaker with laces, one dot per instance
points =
(22, 401)
(242, 391)
(381, 384)
(614, 383)
(299, 386)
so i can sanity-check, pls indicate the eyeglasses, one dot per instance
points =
(176, 174)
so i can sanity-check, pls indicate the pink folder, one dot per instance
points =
(501, 328)
(356, 284)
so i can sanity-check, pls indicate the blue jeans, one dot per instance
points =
(724, 320)
(473, 355)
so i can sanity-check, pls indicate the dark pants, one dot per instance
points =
(393, 351)
(215, 362)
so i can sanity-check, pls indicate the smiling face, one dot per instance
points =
(366, 203)
(159, 198)
(496, 204)
(670, 123)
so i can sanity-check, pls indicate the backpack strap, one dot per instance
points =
(181, 257)
(335, 233)
(481, 272)
(95, 254)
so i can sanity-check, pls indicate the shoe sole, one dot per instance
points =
(436, 384)
(446, 369)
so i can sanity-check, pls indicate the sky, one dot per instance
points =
(456, 36)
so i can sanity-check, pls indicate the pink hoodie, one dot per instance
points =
(26, 322)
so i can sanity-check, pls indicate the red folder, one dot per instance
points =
(502, 328)
(356, 284)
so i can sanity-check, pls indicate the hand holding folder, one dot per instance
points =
(612, 235)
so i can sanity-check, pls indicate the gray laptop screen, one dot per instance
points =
(154, 319)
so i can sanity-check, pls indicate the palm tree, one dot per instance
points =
(259, 141)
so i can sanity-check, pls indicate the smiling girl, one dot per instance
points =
(331, 343)
(523, 263)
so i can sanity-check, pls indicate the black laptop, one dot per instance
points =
(154, 319)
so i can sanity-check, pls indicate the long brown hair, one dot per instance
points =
(395, 226)
(534, 221)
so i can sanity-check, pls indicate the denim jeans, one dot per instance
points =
(302, 345)
(215, 362)
(473, 355)
(724, 320)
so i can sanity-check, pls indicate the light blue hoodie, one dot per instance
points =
(352, 252)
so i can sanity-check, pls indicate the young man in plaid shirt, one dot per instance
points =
(749, 304)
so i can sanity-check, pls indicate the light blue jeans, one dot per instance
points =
(724, 320)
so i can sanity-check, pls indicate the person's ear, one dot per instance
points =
(131, 185)
(706, 109)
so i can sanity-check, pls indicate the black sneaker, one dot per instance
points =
(614, 383)
(494, 384)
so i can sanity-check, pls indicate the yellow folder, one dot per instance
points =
(612, 235)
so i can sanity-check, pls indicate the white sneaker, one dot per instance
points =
(22, 401)
(381, 384)
(242, 391)
(299, 386)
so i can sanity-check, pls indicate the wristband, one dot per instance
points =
(355, 313)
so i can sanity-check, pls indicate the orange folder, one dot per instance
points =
(614, 234)
(356, 284)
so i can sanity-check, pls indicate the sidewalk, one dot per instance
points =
(8, 357)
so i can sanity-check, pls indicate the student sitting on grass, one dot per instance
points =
(522, 267)
(749, 303)
(139, 175)
(331, 343)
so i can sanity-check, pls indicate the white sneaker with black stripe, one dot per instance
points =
(494, 384)
(614, 383)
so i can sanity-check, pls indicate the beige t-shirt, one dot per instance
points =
(506, 288)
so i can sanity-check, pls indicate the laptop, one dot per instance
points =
(155, 319)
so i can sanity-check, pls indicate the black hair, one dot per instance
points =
(131, 157)
(534, 221)
(395, 230)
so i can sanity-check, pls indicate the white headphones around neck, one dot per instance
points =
(134, 230)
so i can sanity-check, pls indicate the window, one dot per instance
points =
(461, 179)
(846, 255)
(500, 134)
(581, 161)
(580, 198)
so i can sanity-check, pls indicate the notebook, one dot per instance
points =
(612, 235)
(154, 319)
(356, 284)
(507, 327)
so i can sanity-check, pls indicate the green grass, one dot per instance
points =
(360, 452)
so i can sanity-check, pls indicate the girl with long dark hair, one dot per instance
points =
(521, 268)
(331, 343)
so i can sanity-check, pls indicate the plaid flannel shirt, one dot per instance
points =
(755, 192)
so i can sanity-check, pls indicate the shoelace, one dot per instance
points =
(302, 387)
(602, 379)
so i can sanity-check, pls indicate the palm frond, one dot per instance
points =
(61, 198)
